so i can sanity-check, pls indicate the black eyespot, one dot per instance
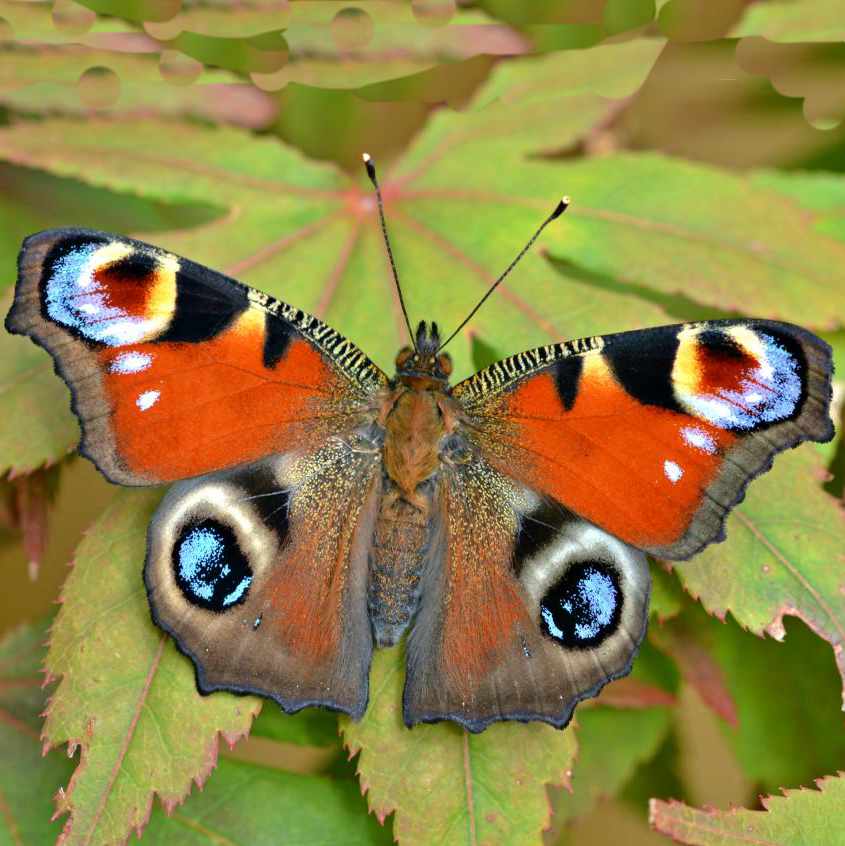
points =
(583, 607)
(210, 567)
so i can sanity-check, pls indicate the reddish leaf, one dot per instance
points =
(31, 500)
(798, 818)
(699, 669)
(633, 693)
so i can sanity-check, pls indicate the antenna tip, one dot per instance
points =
(371, 168)
(560, 208)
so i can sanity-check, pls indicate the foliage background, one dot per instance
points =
(703, 145)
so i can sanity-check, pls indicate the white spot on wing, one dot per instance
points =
(699, 439)
(147, 400)
(131, 362)
(673, 471)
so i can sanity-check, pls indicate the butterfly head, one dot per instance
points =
(423, 361)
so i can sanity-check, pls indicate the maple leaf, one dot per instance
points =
(460, 202)
(779, 560)
(797, 818)
(445, 785)
(27, 779)
(125, 696)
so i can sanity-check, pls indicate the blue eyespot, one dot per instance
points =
(583, 607)
(210, 567)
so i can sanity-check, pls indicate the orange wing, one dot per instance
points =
(177, 370)
(653, 435)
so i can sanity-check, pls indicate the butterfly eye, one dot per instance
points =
(444, 364)
(404, 358)
(210, 567)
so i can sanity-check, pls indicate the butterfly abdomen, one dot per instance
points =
(396, 560)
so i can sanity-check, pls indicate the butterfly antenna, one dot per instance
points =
(560, 208)
(371, 172)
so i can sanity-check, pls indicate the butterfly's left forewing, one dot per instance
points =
(176, 370)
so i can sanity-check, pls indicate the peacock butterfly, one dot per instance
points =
(321, 508)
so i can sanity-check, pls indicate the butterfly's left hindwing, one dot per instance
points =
(176, 370)
(260, 574)
(653, 435)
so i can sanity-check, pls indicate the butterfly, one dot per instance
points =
(320, 508)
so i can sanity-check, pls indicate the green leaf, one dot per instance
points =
(126, 697)
(798, 818)
(783, 556)
(788, 725)
(311, 727)
(666, 597)
(28, 387)
(822, 193)
(696, 231)
(612, 743)
(788, 21)
(28, 780)
(31, 200)
(445, 785)
(245, 803)
(45, 80)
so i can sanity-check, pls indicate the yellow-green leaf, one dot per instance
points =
(445, 785)
(798, 818)
(126, 698)
(28, 779)
(784, 555)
